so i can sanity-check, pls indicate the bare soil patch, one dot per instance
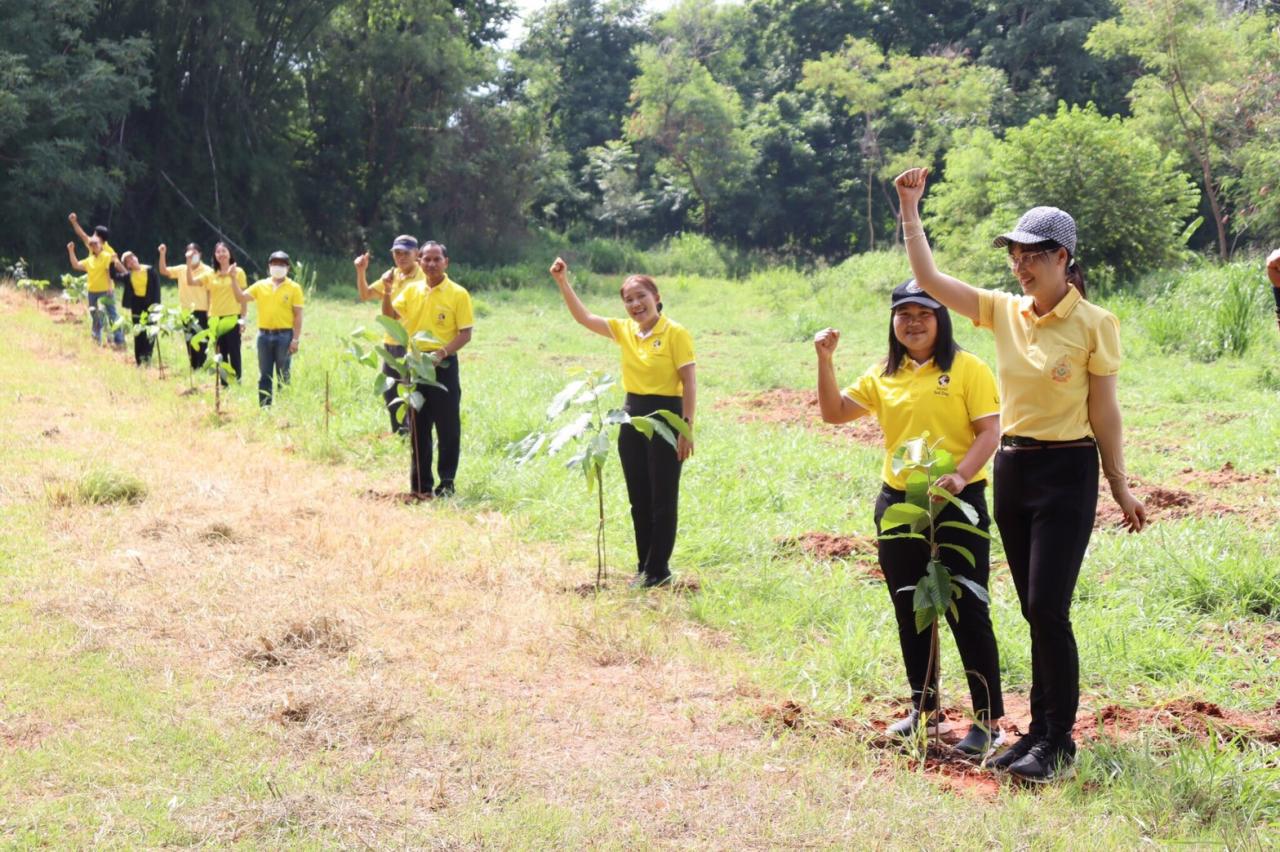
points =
(1227, 475)
(788, 407)
(1186, 718)
(1164, 503)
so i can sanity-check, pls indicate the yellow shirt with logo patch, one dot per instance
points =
(921, 398)
(399, 281)
(651, 364)
(441, 311)
(275, 304)
(222, 300)
(193, 287)
(1045, 362)
(98, 269)
(138, 281)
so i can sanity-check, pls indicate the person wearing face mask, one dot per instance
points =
(279, 300)
(193, 279)
(141, 288)
(441, 308)
(97, 266)
(405, 270)
(1057, 358)
(928, 385)
(223, 303)
(658, 373)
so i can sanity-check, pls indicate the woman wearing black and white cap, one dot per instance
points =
(1057, 356)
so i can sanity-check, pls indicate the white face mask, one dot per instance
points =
(195, 258)
(278, 272)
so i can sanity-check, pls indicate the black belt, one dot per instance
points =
(1015, 443)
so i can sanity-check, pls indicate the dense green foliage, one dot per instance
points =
(768, 126)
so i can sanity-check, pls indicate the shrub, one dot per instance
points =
(687, 254)
(103, 486)
(1208, 312)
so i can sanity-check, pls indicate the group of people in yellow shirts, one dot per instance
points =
(211, 297)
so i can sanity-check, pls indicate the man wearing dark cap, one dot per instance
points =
(279, 299)
(404, 254)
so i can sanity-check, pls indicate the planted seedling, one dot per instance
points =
(159, 322)
(594, 428)
(938, 590)
(221, 368)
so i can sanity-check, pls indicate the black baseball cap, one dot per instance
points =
(279, 255)
(911, 293)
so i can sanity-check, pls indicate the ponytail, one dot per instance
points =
(1075, 277)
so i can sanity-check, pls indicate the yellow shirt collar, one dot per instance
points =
(658, 327)
(1062, 310)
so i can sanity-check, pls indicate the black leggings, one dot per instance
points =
(228, 347)
(142, 342)
(199, 322)
(903, 562)
(389, 395)
(443, 410)
(651, 469)
(1045, 503)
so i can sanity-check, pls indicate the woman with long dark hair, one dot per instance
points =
(928, 385)
(223, 305)
(1057, 358)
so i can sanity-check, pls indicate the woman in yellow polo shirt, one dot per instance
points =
(193, 295)
(141, 292)
(223, 304)
(927, 383)
(1057, 356)
(97, 267)
(658, 372)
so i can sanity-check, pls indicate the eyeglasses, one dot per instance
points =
(1017, 260)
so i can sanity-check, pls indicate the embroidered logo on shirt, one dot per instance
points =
(440, 316)
(657, 344)
(1061, 371)
(944, 379)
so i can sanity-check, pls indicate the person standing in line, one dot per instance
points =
(279, 299)
(442, 309)
(1057, 358)
(223, 303)
(928, 385)
(1273, 272)
(141, 291)
(193, 279)
(405, 270)
(658, 373)
(98, 266)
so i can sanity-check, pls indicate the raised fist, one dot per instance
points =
(559, 268)
(910, 185)
(71, 247)
(362, 262)
(162, 248)
(71, 217)
(826, 341)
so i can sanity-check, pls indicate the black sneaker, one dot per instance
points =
(1045, 761)
(908, 727)
(1015, 752)
(444, 489)
(980, 742)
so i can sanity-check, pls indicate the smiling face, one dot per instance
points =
(404, 259)
(130, 261)
(640, 298)
(222, 254)
(916, 328)
(1038, 270)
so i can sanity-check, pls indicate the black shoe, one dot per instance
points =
(1045, 761)
(908, 727)
(649, 581)
(444, 489)
(980, 741)
(1015, 752)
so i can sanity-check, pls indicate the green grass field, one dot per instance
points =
(1187, 611)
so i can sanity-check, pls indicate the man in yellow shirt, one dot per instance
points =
(405, 271)
(279, 299)
(193, 279)
(102, 291)
(442, 309)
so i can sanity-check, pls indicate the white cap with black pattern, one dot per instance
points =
(1039, 225)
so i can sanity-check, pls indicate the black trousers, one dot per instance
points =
(389, 395)
(903, 562)
(1045, 503)
(651, 469)
(142, 342)
(229, 348)
(199, 322)
(442, 410)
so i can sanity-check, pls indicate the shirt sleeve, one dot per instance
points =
(986, 308)
(866, 390)
(401, 302)
(616, 329)
(981, 399)
(462, 314)
(682, 347)
(1105, 358)
(253, 290)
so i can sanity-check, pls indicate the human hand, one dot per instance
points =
(910, 185)
(71, 217)
(1273, 267)
(1135, 513)
(71, 248)
(232, 270)
(161, 249)
(684, 447)
(560, 270)
(952, 483)
(293, 346)
(362, 262)
(825, 342)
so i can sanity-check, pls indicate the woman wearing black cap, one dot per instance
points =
(927, 384)
(279, 299)
(1057, 357)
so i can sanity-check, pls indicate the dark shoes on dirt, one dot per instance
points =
(444, 489)
(1037, 759)
(649, 581)
(980, 741)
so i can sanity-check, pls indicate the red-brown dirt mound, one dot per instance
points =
(1163, 504)
(1227, 475)
(829, 546)
(786, 406)
(1185, 718)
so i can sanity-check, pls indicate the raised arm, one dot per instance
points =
(1108, 431)
(560, 272)
(71, 255)
(952, 292)
(75, 226)
(241, 296)
(834, 405)
(161, 266)
(362, 280)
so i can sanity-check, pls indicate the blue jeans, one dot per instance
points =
(273, 356)
(108, 301)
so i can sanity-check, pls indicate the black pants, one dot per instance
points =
(229, 348)
(443, 410)
(389, 395)
(142, 342)
(1045, 502)
(199, 322)
(651, 469)
(903, 562)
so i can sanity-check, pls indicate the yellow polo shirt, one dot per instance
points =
(222, 301)
(921, 398)
(398, 282)
(138, 281)
(1044, 362)
(441, 311)
(98, 268)
(651, 364)
(275, 303)
(193, 288)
